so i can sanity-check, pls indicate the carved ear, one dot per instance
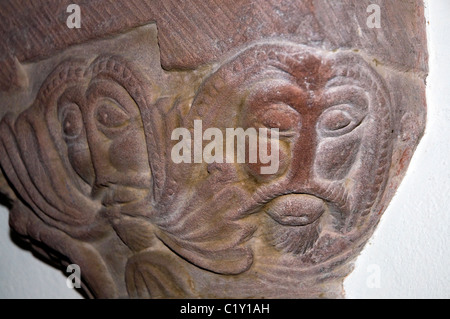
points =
(35, 160)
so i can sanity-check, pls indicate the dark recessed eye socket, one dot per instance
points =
(110, 115)
(338, 121)
(71, 121)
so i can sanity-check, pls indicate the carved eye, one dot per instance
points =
(111, 116)
(277, 116)
(338, 121)
(71, 121)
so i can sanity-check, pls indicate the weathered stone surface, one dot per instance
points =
(86, 139)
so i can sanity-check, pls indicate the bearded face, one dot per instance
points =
(330, 110)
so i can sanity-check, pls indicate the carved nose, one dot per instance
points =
(99, 149)
(105, 175)
(303, 155)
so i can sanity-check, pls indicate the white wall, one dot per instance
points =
(409, 251)
(408, 255)
(24, 276)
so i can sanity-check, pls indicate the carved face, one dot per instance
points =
(86, 121)
(333, 115)
(99, 121)
(323, 118)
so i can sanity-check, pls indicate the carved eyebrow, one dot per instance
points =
(275, 94)
(341, 80)
(113, 92)
(347, 94)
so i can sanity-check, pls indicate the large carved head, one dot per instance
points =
(333, 114)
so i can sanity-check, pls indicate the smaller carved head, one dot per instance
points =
(102, 126)
(86, 130)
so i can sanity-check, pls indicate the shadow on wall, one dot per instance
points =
(39, 251)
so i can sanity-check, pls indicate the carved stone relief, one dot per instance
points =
(86, 142)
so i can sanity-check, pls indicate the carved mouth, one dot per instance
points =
(127, 200)
(295, 209)
(295, 225)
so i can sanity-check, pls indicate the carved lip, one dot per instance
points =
(121, 195)
(295, 209)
